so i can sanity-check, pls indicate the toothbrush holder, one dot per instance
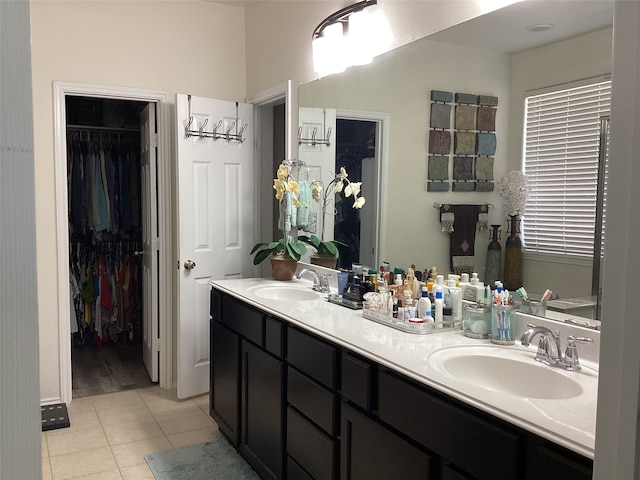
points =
(534, 307)
(503, 325)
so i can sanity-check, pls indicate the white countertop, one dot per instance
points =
(567, 422)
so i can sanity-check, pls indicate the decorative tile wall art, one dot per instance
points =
(462, 134)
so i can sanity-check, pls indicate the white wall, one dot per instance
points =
(20, 420)
(399, 83)
(175, 46)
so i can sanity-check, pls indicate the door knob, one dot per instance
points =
(138, 253)
(189, 265)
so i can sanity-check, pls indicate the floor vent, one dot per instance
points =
(54, 416)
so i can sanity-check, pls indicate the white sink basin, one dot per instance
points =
(506, 370)
(288, 293)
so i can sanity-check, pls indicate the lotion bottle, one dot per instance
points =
(455, 300)
(424, 304)
(439, 306)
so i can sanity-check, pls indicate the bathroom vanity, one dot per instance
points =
(305, 389)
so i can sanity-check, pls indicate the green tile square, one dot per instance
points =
(438, 168)
(438, 186)
(486, 144)
(484, 168)
(440, 96)
(463, 186)
(465, 143)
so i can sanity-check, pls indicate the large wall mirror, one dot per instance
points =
(505, 54)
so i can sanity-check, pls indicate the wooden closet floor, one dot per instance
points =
(112, 368)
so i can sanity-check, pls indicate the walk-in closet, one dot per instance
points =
(105, 244)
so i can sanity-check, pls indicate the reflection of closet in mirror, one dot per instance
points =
(356, 152)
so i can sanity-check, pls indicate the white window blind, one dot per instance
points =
(561, 144)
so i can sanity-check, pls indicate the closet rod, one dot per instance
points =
(103, 129)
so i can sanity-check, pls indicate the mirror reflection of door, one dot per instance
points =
(356, 152)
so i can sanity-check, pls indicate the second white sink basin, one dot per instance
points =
(288, 293)
(506, 370)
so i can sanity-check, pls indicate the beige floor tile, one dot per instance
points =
(63, 441)
(79, 405)
(86, 419)
(137, 472)
(203, 402)
(194, 436)
(110, 475)
(119, 414)
(84, 463)
(124, 399)
(44, 448)
(164, 402)
(132, 431)
(46, 469)
(184, 422)
(128, 454)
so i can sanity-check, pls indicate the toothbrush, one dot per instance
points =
(546, 296)
(522, 293)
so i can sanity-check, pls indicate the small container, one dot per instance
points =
(534, 307)
(477, 321)
(502, 325)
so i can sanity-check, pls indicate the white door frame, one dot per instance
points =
(165, 302)
(383, 120)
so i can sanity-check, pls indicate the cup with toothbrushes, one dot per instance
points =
(502, 319)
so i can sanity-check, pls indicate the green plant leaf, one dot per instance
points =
(261, 256)
(257, 246)
(331, 249)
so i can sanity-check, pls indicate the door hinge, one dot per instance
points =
(156, 243)
(154, 140)
(178, 264)
(155, 345)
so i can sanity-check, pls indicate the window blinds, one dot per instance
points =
(561, 144)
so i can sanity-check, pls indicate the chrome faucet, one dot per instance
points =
(320, 282)
(549, 350)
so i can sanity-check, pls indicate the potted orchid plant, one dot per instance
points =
(284, 252)
(327, 251)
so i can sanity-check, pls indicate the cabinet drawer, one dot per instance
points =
(214, 304)
(243, 319)
(312, 356)
(295, 471)
(314, 451)
(466, 440)
(274, 337)
(357, 380)
(550, 463)
(314, 401)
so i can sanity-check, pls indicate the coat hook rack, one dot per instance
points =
(313, 141)
(237, 136)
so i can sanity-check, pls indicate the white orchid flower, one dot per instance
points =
(359, 203)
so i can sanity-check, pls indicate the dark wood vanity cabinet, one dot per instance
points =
(300, 407)
(247, 382)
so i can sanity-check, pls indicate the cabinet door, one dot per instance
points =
(225, 380)
(262, 411)
(369, 451)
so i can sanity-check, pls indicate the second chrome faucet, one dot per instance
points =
(549, 349)
(320, 282)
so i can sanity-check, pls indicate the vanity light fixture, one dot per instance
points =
(350, 36)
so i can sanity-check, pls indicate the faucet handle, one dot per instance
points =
(571, 354)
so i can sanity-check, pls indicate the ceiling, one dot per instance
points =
(505, 29)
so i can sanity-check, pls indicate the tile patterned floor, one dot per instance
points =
(110, 434)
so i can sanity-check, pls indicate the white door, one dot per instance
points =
(320, 159)
(216, 203)
(150, 252)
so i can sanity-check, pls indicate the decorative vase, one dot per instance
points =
(283, 268)
(328, 262)
(493, 270)
(513, 256)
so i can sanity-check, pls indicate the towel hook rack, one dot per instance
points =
(238, 136)
(313, 141)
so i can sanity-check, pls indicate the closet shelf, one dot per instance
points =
(103, 129)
